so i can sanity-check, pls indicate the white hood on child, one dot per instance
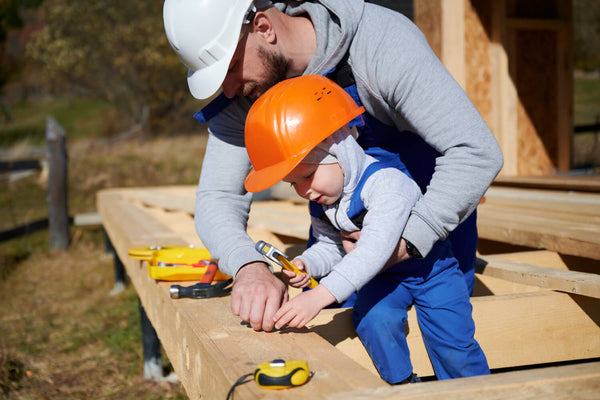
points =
(343, 146)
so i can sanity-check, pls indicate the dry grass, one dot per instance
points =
(62, 335)
(65, 337)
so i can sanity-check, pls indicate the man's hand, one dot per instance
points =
(303, 308)
(256, 295)
(349, 240)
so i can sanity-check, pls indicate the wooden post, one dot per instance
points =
(58, 214)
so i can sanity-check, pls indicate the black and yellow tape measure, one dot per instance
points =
(280, 374)
(277, 374)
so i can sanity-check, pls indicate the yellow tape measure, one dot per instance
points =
(280, 374)
(277, 374)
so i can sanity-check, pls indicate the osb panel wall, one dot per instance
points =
(428, 17)
(536, 69)
(535, 76)
(478, 20)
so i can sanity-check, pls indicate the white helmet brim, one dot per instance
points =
(205, 36)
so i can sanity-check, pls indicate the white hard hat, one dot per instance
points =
(205, 34)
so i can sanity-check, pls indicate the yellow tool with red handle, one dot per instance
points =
(178, 263)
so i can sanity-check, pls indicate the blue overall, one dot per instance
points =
(437, 289)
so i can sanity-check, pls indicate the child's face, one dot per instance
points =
(322, 183)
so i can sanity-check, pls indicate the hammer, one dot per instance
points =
(270, 252)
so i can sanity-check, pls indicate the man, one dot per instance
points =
(413, 105)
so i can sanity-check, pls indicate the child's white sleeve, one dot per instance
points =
(389, 196)
(327, 250)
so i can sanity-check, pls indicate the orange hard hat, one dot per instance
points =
(288, 121)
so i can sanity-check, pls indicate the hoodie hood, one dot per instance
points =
(351, 157)
(333, 36)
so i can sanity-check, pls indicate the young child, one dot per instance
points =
(299, 131)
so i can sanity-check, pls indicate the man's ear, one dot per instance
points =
(263, 26)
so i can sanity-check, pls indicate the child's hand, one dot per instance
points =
(298, 281)
(301, 309)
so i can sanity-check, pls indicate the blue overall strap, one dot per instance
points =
(380, 140)
(356, 210)
(316, 211)
(213, 108)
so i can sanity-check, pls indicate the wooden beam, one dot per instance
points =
(281, 217)
(555, 201)
(207, 345)
(453, 39)
(486, 285)
(58, 208)
(533, 323)
(172, 198)
(564, 222)
(578, 381)
(577, 183)
(504, 93)
(566, 281)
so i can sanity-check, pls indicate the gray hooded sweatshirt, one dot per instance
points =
(388, 196)
(402, 83)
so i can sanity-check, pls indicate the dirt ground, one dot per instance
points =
(62, 334)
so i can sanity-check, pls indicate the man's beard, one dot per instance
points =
(277, 67)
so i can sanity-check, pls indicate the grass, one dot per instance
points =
(586, 101)
(81, 118)
(62, 335)
(586, 145)
(65, 337)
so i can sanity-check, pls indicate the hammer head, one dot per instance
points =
(269, 251)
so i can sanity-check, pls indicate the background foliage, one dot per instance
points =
(586, 15)
(111, 49)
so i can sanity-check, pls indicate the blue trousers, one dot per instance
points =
(436, 287)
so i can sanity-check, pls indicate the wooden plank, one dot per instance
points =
(282, 217)
(58, 208)
(486, 285)
(574, 203)
(577, 225)
(504, 95)
(209, 347)
(577, 183)
(579, 381)
(568, 223)
(534, 323)
(172, 198)
(578, 241)
(556, 220)
(206, 343)
(453, 39)
(87, 219)
(551, 259)
(128, 222)
(566, 281)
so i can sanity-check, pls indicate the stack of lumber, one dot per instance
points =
(537, 311)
